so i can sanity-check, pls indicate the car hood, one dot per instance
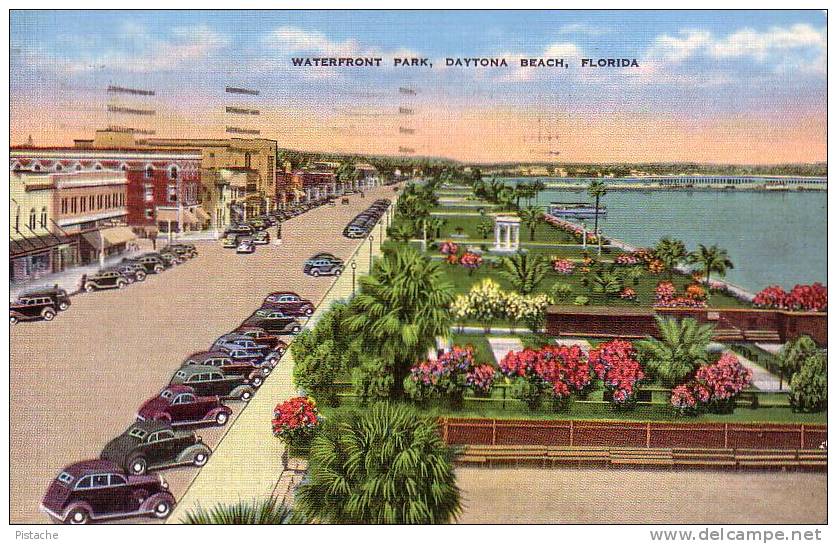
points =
(119, 448)
(56, 496)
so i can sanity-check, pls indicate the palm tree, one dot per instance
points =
(537, 187)
(524, 271)
(267, 511)
(530, 217)
(387, 464)
(401, 308)
(671, 252)
(434, 225)
(506, 198)
(678, 352)
(605, 283)
(597, 190)
(401, 232)
(711, 259)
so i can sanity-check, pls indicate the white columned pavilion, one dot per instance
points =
(506, 233)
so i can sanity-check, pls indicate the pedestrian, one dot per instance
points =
(153, 236)
(83, 282)
(279, 232)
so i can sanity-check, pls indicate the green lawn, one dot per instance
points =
(482, 349)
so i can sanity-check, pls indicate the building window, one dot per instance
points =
(172, 193)
(107, 201)
(43, 217)
(37, 168)
(58, 167)
(149, 213)
(149, 192)
(74, 205)
(91, 201)
(78, 167)
(99, 202)
(149, 172)
(17, 219)
(64, 205)
(32, 219)
(98, 166)
(83, 205)
(173, 172)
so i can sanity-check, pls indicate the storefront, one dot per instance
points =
(111, 240)
(33, 258)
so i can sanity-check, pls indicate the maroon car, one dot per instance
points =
(291, 304)
(222, 360)
(179, 405)
(263, 338)
(100, 489)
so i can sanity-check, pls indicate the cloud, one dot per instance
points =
(291, 39)
(581, 28)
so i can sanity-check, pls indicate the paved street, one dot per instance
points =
(77, 381)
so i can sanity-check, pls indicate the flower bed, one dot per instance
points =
(810, 298)
(555, 371)
(615, 363)
(295, 421)
(714, 387)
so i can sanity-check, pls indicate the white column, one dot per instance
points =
(508, 236)
(497, 235)
(516, 236)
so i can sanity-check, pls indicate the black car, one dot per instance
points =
(152, 263)
(132, 271)
(273, 322)
(28, 308)
(239, 229)
(58, 295)
(184, 251)
(105, 279)
(212, 381)
(171, 257)
(149, 445)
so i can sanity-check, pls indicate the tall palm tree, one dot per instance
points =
(597, 189)
(530, 217)
(525, 271)
(401, 308)
(678, 352)
(506, 198)
(387, 464)
(711, 259)
(537, 187)
(671, 252)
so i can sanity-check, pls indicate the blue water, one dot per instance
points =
(771, 237)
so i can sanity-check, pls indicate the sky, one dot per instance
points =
(715, 87)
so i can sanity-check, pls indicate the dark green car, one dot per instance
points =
(149, 445)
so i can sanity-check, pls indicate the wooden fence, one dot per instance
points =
(632, 434)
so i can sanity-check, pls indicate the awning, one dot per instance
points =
(201, 214)
(22, 246)
(189, 218)
(112, 236)
(164, 215)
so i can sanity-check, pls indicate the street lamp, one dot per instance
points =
(354, 268)
(371, 239)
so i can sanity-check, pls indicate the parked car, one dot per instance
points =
(246, 245)
(239, 229)
(264, 338)
(290, 303)
(151, 263)
(261, 238)
(185, 251)
(243, 348)
(250, 368)
(105, 279)
(171, 257)
(100, 489)
(30, 308)
(132, 271)
(58, 295)
(258, 223)
(209, 380)
(150, 445)
(274, 322)
(323, 264)
(230, 241)
(179, 405)
(353, 231)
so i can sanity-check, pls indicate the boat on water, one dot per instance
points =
(575, 209)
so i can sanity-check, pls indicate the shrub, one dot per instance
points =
(581, 300)
(445, 376)
(268, 511)
(561, 292)
(563, 266)
(714, 387)
(616, 364)
(810, 298)
(471, 261)
(809, 386)
(373, 379)
(448, 248)
(480, 378)
(314, 370)
(627, 294)
(556, 371)
(295, 421)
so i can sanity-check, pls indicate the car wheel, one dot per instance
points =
(78, 516)
(89, 287)
(12, 320)
(257, 381)
(269, 366)
(221, 418)
(63, 306)
(163, 509)
(246, 396)
(141, 276)
(315, 273)
(200, 459)
(48, 314)
(337, 272)
(158, 269)
(309, 311)
(296, 329)
(138, 466)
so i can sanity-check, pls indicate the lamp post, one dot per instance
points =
(371, 239)
(354, 268)
(583, 235)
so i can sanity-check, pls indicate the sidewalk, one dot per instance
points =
(247, 464)
(70, 279)
(762, 379)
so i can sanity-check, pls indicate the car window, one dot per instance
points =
(166, 394)
(165, 435)
(216, 376)
(65, 478)
(138, 433)
(117, 479)
(100, 480)
(180, 374)
(85, 483)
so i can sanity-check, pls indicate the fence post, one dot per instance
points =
(493, 432)
(726, 435)
(445, 430)
(571, 433)
(802, 436)
(648, 434)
